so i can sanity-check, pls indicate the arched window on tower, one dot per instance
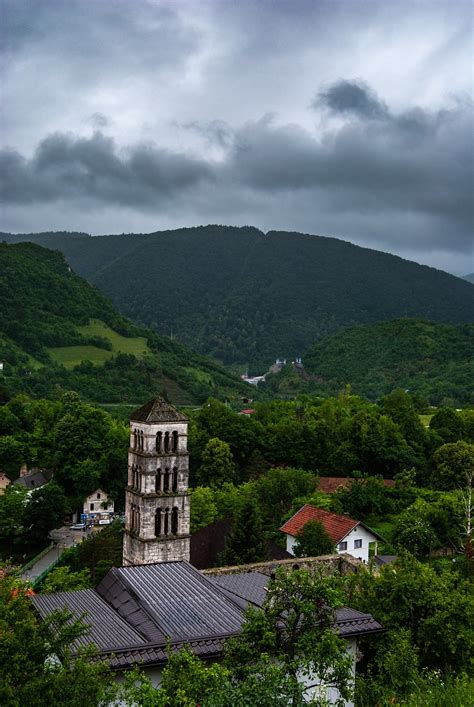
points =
(158, 443)
(141, 440)
(174, 521)
(134, 439)
(174, 482)
(167, 442)
(158, 481)
(166, 523)
(166, 481)
(158, 522)
(137, 529)
(174, 443)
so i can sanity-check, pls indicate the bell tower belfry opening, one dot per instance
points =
(157, 496)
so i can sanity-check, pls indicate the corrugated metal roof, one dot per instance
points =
(181, 601)
(249, 586)
(350, 622)
(129, 605)
(157, 410)
(107, 630)
(135, 609)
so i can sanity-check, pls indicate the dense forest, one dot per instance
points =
(246, 297)
(433, 361)
(58, 332)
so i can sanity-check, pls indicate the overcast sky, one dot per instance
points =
(347, 118)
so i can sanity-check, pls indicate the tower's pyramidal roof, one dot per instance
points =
(157, 410)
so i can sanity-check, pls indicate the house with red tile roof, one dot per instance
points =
(349, 535)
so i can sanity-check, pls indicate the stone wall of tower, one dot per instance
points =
(147, 491)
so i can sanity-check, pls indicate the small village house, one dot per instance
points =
(349, 536)
(98, 509)
(4, 482)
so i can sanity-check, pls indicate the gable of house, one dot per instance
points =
(336, 526)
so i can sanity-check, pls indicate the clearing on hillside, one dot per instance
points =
(70, 356)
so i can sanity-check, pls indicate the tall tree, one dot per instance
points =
(313, 540)
(36, 665)
(217, 464)
(245, 543)
(293, 633)
(453, 464)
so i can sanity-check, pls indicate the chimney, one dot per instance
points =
(23, 471)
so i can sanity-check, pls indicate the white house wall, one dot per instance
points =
(358, 533)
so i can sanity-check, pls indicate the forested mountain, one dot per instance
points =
(432, 361)
(57, 331)
(470, 277)
(246, 297)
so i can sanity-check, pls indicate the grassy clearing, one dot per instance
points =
(70, 356)
(120, 344)
(425, 420)
(385, 527)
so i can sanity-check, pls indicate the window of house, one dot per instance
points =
(98, 495)
(91, 506)
(342, 546)
(357, 543)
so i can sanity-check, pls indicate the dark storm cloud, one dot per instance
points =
(414, 163)
(176, 91)
(352, 97)
(69, 168)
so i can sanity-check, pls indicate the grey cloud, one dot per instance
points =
(99, 120)
(406, 180)
(69, 168)
(214, 132)
(352, 97)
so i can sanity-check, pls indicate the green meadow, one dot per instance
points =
(70, 356)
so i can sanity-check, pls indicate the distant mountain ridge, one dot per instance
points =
(57, 331)
(245, 297)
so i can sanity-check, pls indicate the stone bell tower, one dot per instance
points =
(157, 497)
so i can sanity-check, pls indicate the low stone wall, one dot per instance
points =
(340, 564)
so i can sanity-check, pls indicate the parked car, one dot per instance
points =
(77, 526)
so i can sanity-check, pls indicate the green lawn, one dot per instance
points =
(70, 356)
(135, 345)
(426, 419)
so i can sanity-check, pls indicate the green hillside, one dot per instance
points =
(58, 332)
(245, 297)
(433, 361)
